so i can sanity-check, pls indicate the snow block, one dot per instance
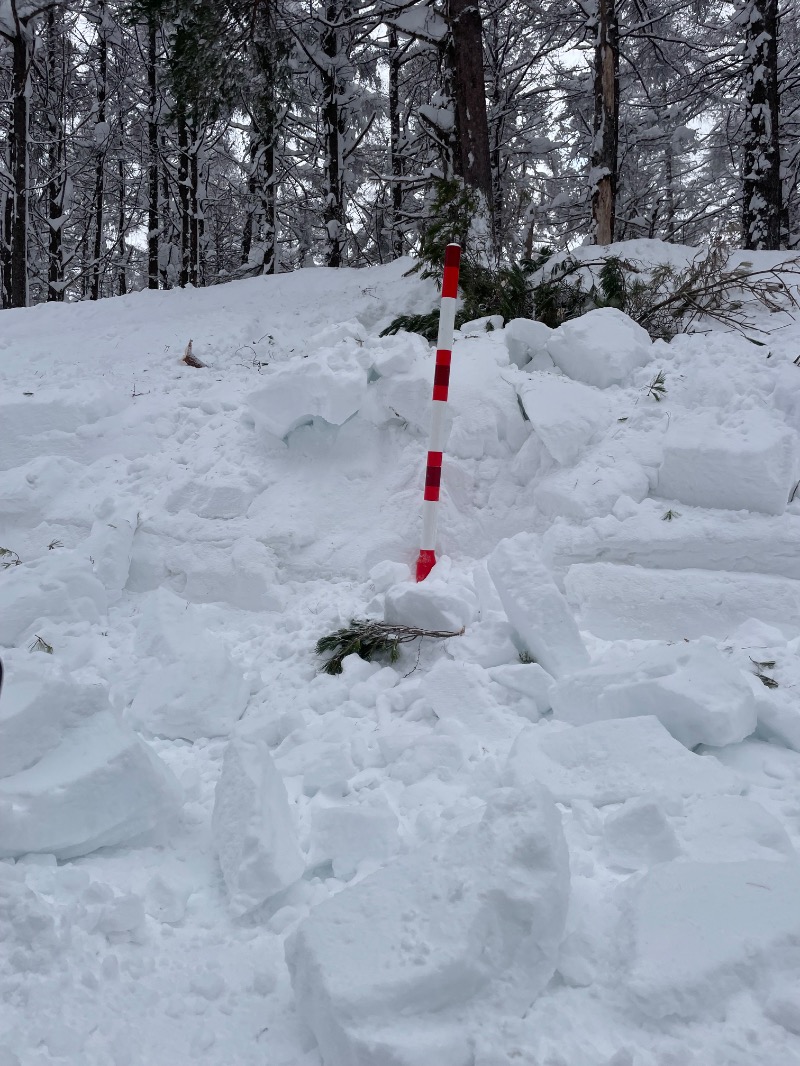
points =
(618, 602)
(459, 694)
(535, 607)
(348, 836)
(731, 828)
(332, 386)
(398, 968)
(525, 339)
(526, 679)
(591, 488)
(109, 547)
(59, 587)
(639, 835)
(432, 604)
(196, 690)
(212, 499)
(699, 932)
(100, 786)
(252, 826)
(36, 709)
(703, 540)
(602, 347)
(696, 693)
(564, 414)
(747, 466)
(609, 762)
(202, 695)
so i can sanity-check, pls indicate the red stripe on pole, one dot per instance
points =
(435, 458)
(452, 258)
(443, 356)
(440, 393)
(441, 376)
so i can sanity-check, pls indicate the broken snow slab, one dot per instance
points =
(565, 415)
(694, 690)
(399, 968)
(619, 602)
(535, 607)
(697, 933)
(609, 762)
(602, 347)
(747, 465)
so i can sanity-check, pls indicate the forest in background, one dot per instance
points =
(162, 143)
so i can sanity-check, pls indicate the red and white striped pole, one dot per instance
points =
(441, 383)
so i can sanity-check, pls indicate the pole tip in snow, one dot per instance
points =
(425, 563)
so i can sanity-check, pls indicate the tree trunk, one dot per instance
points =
(153, 228)
(122, 255)
(19, 170)
(183, 193)
(100, 148)
(395, 150)
(761, 159)
(333, 132)
(55, 162)
(472, 128)
(194, 210)
(603, 176)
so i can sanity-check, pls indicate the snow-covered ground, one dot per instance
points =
(212, 854)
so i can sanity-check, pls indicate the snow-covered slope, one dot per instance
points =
(211, 854)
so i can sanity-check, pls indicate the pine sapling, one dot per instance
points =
(368, 638)
(658, 387)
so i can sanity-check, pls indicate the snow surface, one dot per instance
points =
(457, 875)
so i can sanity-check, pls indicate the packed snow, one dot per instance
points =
(564, 836)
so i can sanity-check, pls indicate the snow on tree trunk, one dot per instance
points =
(604, 166)
(153, 227)
(473, 162)
(761, 180)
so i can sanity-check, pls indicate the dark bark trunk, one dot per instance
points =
(183, 193)
(153, 228)
(606, 123)
(195, 224)
(761, 160)
(19, 170)
(395, 152)
(334, 130)
(472, 129)
(100, 163)
(55, 162)
(122, 255)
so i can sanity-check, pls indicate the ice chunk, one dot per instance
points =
(99, 787)
(698, 932)
(535, 607)
(525, 339)
(750, 465)
(346, 836)
(639, 835)
(252, 825)
(697, 693)
(565, 415)
(609, 762)
(425, 946)
(602, 347)
(331, 386)
(432, 604)
(730, 828)
(621, 602)
(58, 587)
